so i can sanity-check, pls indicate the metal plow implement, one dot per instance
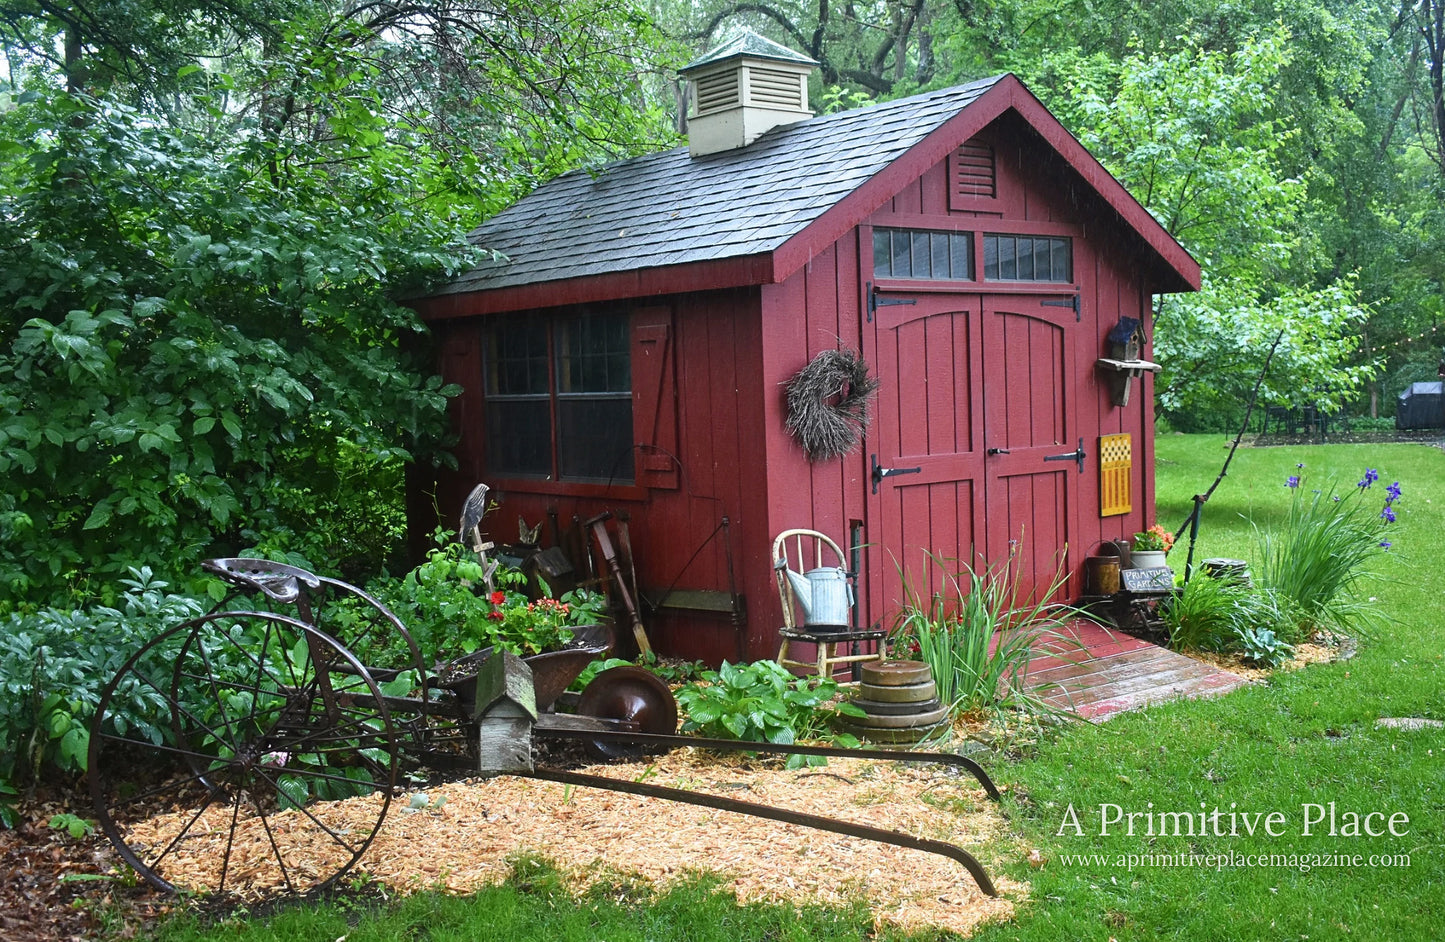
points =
(286, 729)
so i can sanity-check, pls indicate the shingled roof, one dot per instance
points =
(671, 208)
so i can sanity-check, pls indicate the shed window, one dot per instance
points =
(559, 397)
(1027, 258)
(921, 254)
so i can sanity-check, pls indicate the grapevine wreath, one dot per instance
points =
(828, 404)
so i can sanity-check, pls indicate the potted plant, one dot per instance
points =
(1150, 547)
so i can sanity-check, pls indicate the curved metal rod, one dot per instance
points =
(943, 848)
(793, 749)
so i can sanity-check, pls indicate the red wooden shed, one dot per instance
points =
(628, 345)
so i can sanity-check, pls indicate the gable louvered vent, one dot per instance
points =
(974, 172)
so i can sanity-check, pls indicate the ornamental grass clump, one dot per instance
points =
(1329, 543)
(978, 632)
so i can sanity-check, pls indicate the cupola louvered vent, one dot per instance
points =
(716, 92)
(974, 172)
(743, 89)
(776, 87)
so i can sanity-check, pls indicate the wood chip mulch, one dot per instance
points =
(593, 835)
(1305, 654)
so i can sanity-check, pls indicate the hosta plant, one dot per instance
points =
(762, 702)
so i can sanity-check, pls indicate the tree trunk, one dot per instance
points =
(74, 60)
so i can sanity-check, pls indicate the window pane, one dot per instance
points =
(921, 255)
(1008, 269)
(938, 263)
(594, 438)
(515, 356)
(1043, 259)
(882, 254)
(1063, 260)
(1025, 259)
(960, 249)
(519, 437)
(990, 258)
(902, 255)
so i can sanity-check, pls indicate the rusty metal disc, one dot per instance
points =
(879, 708)
(903, 693)
(895, 673)
(628, 693)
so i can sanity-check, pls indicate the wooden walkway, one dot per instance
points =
(1109, 672)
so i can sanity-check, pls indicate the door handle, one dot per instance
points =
(1078, 456)
(997, 451)
(880, 472)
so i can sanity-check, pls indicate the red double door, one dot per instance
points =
(974, 449)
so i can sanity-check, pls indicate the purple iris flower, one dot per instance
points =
(1300, 465)
(1388, 514)
(1393, 491)
(1384, 544)
(1293, 481)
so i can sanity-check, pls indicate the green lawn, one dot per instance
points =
(1304, 738)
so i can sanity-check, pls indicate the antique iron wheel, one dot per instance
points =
(242, 752)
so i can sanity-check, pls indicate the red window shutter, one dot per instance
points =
(654, 397)
(461, 364)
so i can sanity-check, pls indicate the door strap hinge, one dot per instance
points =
(1072, 302)
(1078, 456)
(875, 302)
(880, 472)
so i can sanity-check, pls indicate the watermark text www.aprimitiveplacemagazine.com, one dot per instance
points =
(1304, 863)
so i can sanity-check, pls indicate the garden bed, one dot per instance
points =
(470, 840)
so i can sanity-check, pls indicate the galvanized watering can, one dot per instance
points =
(825, 595)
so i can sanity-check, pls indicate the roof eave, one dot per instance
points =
(741, 271)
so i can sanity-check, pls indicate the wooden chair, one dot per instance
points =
(833, 645)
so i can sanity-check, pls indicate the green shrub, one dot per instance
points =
(762, 702)
(54, 665)
(978, 632)
(1329, 542)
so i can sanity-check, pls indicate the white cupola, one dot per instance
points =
(742, 88)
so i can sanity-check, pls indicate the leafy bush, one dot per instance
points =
(762, 702)
(978, 632)
(187, 340)
(1329, 543)
(54, 665)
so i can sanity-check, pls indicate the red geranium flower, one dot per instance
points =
(499, 597)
